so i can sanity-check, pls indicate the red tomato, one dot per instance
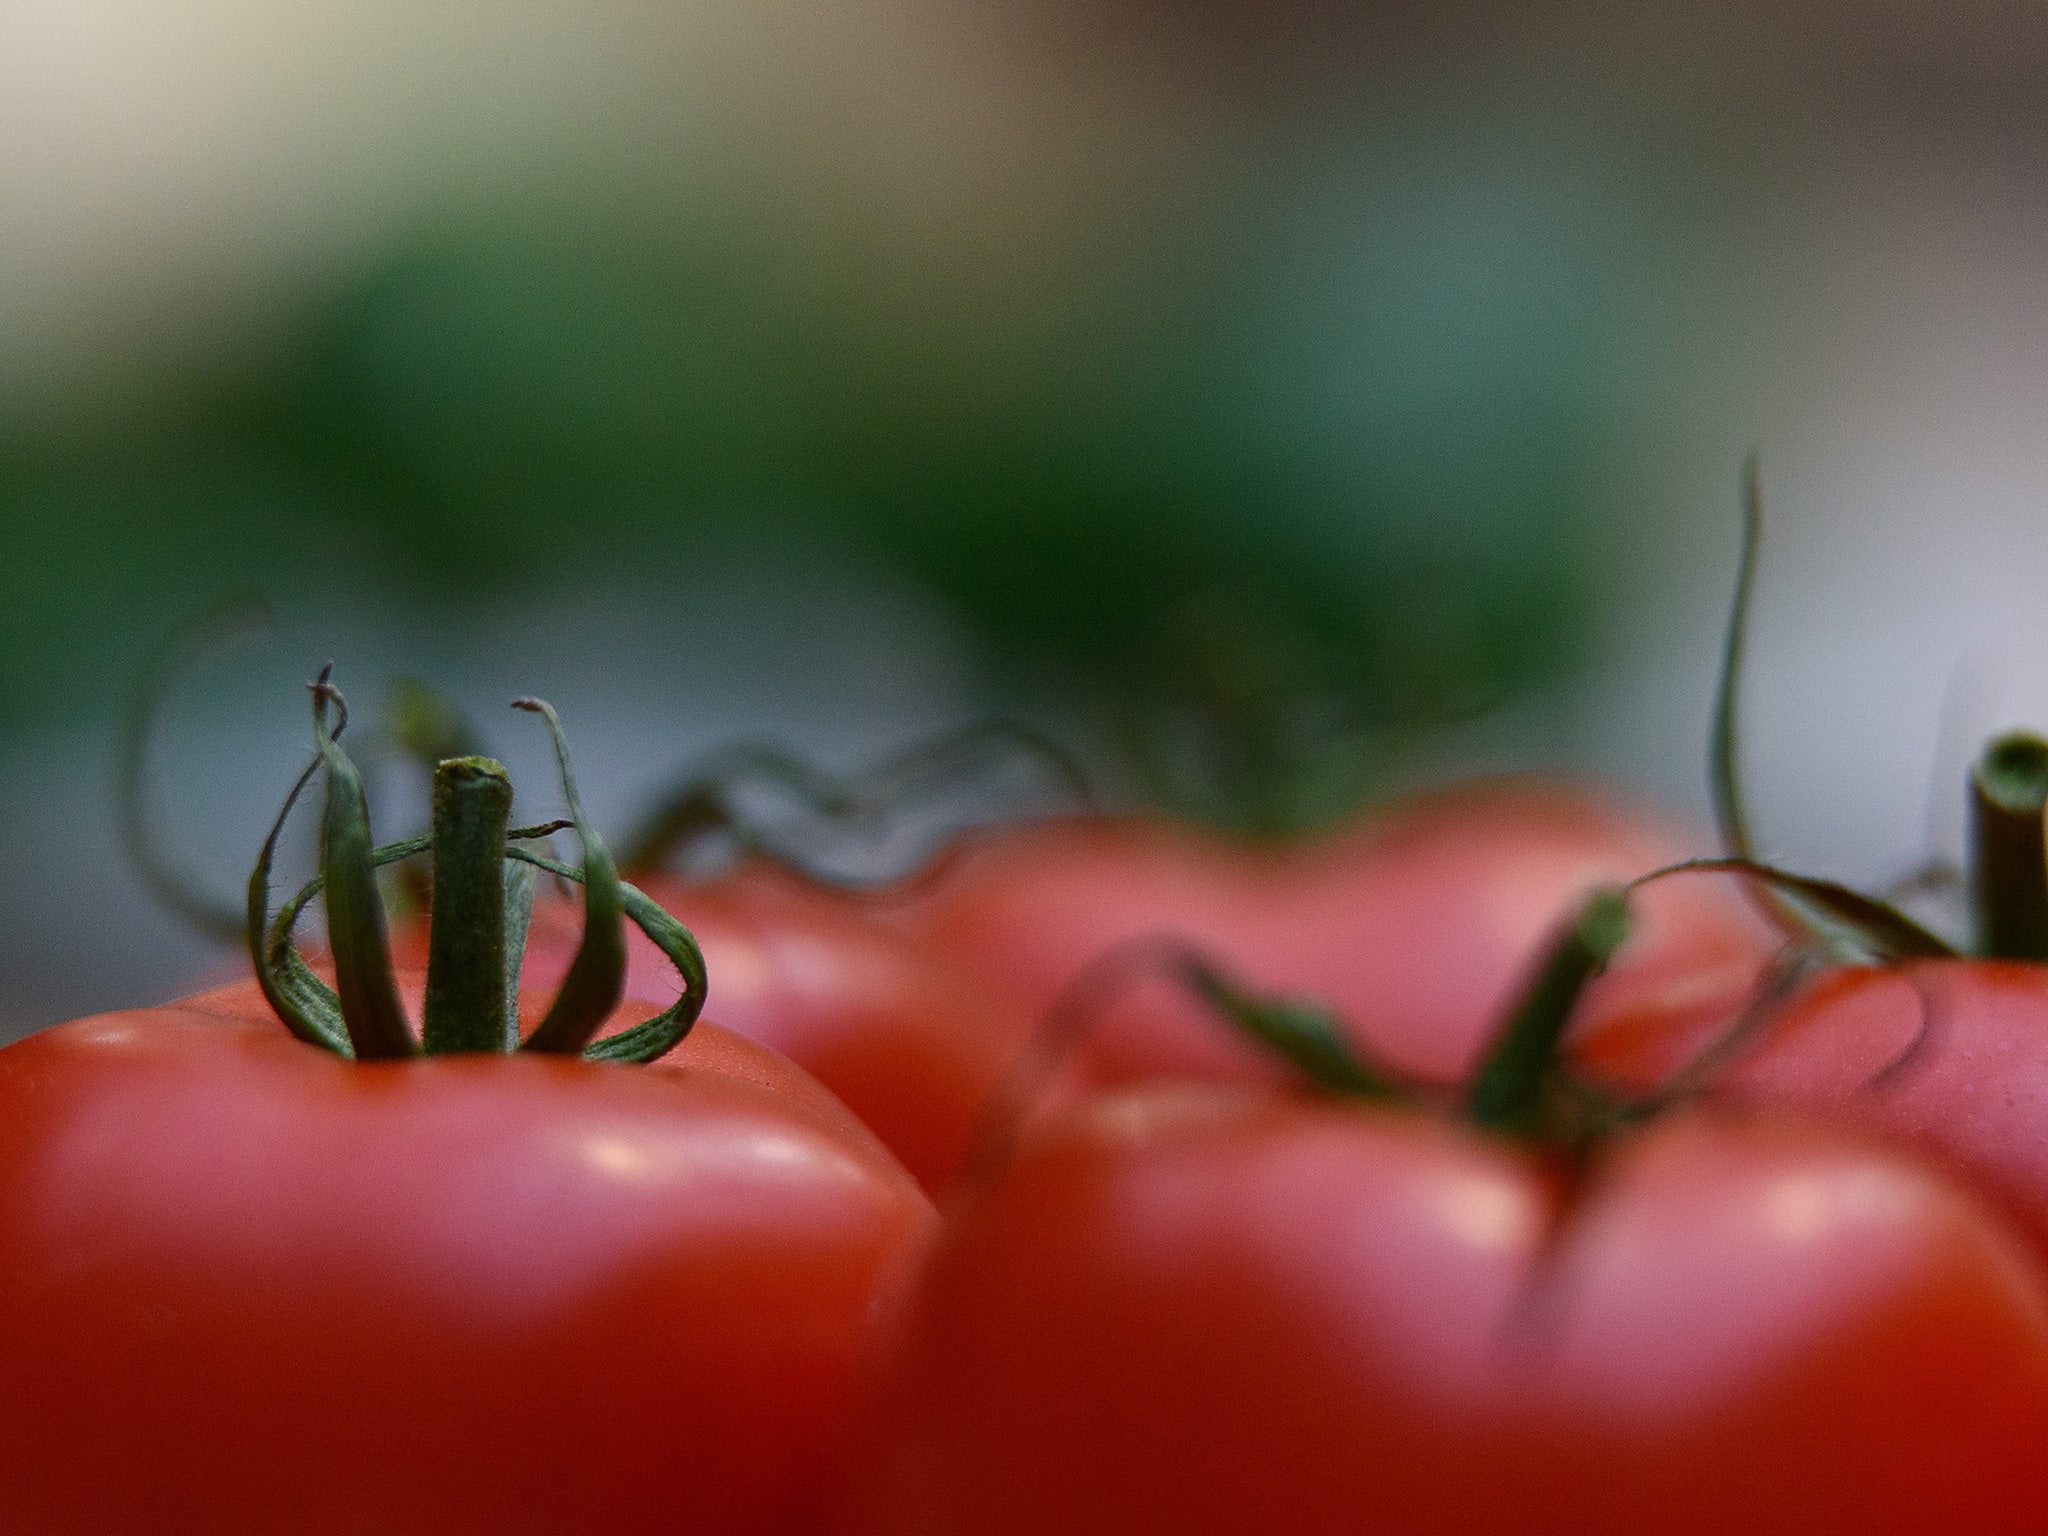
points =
(248, 1285)
(1212, 1309)
(886, 1026)
(1414, 925)
(1951, 1055)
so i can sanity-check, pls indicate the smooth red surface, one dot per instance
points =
(885, 1024)
(1418, 923)
(1208, 1310)
(246, 1286)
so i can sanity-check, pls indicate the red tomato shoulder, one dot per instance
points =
(259, 1288)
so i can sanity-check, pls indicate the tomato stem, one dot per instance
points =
(1511, 1089)
(465, 999)
(2008, 855)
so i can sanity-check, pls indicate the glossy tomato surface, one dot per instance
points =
(1417, 923)
(1209, 1310)
(246, 1286)
(887, 1025)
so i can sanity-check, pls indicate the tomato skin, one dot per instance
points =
(885, 1025)
(1416, 924)
(248, 1286)
(1948, 1055)
(1204, 1310)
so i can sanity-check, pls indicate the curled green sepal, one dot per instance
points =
(363, 978)
(1300, 1031)
(1519, 1074)
(1845, 923)
(644, 1042)
(306, 1004)
(662, 1033)
(596, 979)
(464, 1005)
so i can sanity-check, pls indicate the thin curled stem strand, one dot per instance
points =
(1785, 908)
(1849, 927)
(706, 803)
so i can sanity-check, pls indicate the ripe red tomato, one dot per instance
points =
(1950, 1055)
(248, 1285)
(1216, 1309)
(1414, 924)
(886, 1026)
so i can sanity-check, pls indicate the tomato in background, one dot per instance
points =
(1413, 924)
(251, 1286)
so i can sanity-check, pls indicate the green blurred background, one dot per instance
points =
(1279, 404)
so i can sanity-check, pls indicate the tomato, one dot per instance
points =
(1207, 1308)
(1951, 1055)
(246, 1285)
(1213, 1308)
(884, 1024)
(277, 1259)
(1414, 924)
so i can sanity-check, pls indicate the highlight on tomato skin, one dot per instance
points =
(1413, 924)
(249, 1286)
(1212, 1309)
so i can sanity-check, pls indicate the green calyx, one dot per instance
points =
(483, 883)
(1522, 1086)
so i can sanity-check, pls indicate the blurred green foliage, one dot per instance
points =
(1261, 496)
